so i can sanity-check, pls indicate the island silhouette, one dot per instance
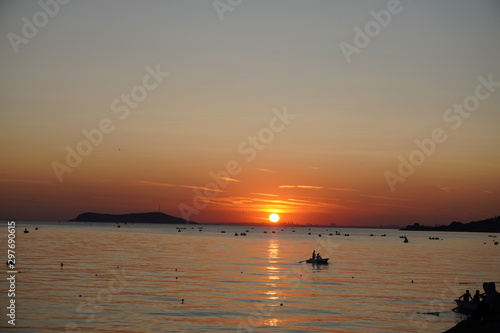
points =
(151, 217)
(488, 225)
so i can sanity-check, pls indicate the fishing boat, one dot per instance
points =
(465, 306)
(321, 261)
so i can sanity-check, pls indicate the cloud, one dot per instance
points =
(446, 189)
(230, 179)
(342, 189)
(266, 194)
(390, 198)
(179, 186)
(230, 201)
(309, 187)
(259, 203)
(264, 170)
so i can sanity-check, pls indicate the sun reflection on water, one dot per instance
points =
(272, 296)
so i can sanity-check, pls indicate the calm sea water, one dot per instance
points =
(133, 278)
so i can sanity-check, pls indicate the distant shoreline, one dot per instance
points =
(488, 225)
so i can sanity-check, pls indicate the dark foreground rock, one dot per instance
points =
(466, 327)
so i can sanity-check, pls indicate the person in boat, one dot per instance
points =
(318, 256)
(314, 255)
(467, 297)
(477, 297)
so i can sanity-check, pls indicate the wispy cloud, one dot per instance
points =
(406, 207)
(257, 203)
(389, 198)
(296, 203)
(266, 194)
(230, 201)
(180, 186)
(488, 192)
(309, 187)
(264, 170)
(230, 179)
(446, 189)
(342, 189)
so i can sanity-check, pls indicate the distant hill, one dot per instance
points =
(488, 225)
(133, 218)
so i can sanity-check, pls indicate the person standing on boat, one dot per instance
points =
(314, 255)
(467, 297)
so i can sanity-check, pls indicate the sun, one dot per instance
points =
(274, 217)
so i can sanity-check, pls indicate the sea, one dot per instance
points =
(109, 277)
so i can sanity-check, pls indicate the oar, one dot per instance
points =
(302, 261)
(429, 313)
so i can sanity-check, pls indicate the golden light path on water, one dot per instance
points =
(134, 278)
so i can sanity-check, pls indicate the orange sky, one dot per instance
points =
(263, 108)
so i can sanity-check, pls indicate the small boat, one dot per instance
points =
(321, 261)
(465, 306)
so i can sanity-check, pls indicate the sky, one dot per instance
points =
(348, 112)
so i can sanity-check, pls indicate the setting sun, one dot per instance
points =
(274, 218)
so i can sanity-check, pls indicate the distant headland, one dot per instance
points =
(488, 225)
(152, 217)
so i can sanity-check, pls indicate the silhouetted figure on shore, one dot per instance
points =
(488, 309)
